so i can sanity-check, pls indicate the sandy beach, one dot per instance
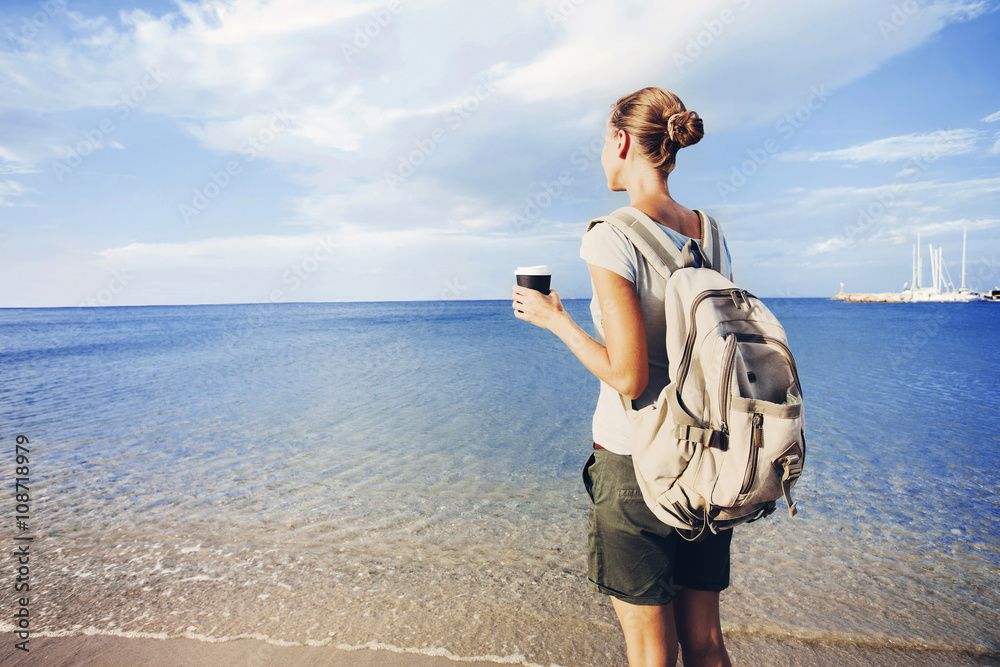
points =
(110, 651)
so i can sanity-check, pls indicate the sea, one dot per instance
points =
(406, 477)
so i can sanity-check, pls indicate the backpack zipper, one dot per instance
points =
(729, 360)
(756, 442)
(729, 293)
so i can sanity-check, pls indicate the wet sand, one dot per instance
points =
(111, 651)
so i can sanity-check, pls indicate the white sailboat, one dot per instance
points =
(942, 289)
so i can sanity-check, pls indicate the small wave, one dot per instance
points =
(861, 643)
(516, 659)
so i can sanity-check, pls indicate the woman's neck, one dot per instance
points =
(651, 195)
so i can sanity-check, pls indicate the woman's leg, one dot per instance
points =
(699, 629)
(631, 558)
(650, 633)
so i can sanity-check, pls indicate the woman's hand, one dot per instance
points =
(537, 308)
(623, 363)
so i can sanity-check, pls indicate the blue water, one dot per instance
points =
(408, 474)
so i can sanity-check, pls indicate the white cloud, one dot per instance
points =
(574, 66)
(8, 155)
(894, 213)
(828, 245)
(11, 163)
(712, 51)
(246, 251)
(351, 262)
(904, 235)
(225, 61)
(226, 65)
(845, 203)
(218, 61)
(992, 118)
(931, 230)
(10, 189)
(256, 21)
(929, 146)
(269, 250)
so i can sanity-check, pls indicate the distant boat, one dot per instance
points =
(939, 291)
(942, 290)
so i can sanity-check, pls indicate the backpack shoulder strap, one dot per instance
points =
(711, 241)
(647, 237)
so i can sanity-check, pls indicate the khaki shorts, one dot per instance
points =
(634, 556)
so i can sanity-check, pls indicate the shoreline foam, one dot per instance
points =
(747, 650)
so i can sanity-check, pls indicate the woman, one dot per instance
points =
(664, 590)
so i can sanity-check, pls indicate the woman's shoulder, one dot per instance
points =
(603, 236)
(608, 248)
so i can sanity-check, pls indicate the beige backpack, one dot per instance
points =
(725, 439)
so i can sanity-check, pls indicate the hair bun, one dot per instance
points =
(660, 124)
(685, 128)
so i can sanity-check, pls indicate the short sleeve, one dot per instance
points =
(606, 247)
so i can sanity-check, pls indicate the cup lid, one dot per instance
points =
(538, 270)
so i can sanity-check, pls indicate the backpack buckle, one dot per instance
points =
(792, 467)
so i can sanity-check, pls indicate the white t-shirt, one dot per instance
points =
(606, 247)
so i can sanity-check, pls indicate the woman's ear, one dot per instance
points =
(624, 143)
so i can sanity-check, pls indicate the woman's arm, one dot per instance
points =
(623, 364)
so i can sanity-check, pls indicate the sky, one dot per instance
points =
(255, 151)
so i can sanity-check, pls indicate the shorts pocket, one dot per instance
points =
(588, 480)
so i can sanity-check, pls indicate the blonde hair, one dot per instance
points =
(659, 123)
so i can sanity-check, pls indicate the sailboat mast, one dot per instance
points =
(964, 231)
(941, 284)
(920, 267)
(940, 269)
(930, 247)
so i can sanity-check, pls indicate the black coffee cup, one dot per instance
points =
(534, 277)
